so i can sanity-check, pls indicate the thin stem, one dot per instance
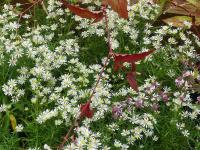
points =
(78, 119)
(107, 30)
(109, 54)
(21, 14)
(65, 139)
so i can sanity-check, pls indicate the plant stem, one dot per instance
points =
(78, 119)
(21, 14)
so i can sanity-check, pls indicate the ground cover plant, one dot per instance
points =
(105, 75)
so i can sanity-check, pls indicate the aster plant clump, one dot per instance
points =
(97, 76)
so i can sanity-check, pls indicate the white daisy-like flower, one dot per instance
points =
(19, 128)
(3, 108)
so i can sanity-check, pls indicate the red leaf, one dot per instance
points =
(117, 65)
(131, 77)
(132, 57)
(133, 67)
(99, 18)
(82, 12)
(119, 6)
(121, 58)
(86, 111)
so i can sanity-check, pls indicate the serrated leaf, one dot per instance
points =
(13, 122)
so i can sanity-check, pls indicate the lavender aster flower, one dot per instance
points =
(179, 81)
(116, 112)
(155, 107)
(198, 100)
(139, 103)
(164, 96)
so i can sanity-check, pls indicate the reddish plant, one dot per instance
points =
(119, 6)
(86, 110)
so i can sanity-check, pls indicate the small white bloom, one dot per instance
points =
(187, 24)
(19, 128)
(155, 138)
(3, 108)
(185, 133)
(47, 147)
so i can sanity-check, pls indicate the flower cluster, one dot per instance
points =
(86, 139)
(45, 80)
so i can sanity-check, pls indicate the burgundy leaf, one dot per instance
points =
(133, 67)
(86, 111)
(130, 58)
(131, 77)
(82, 12)
(117, 66)
(119, 6)
(99, 18)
